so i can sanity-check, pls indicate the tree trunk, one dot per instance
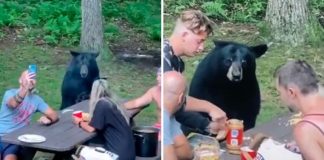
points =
(92, 26)
(288, 20)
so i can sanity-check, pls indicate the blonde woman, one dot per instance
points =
(109, 120)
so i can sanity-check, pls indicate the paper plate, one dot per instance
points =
(32, 138)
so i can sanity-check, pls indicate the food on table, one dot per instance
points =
(221, 134)
(294, 119)
(206, 152)
(85, 116)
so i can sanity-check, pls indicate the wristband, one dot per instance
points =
(22, 98)
(17, 99)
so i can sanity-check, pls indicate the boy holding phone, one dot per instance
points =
(17, 108)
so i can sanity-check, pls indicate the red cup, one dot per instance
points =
(247, 153)
(77, 114)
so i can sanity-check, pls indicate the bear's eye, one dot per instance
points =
(228, 62)
(244, 63)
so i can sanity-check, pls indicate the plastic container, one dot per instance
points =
(234, 138)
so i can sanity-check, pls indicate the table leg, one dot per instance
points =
(27, 153)
(63, 156)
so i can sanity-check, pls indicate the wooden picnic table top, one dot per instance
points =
(61, 136)
(277, 128)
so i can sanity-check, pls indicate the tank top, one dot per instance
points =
(316, 120)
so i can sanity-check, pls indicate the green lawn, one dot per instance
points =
(127, 80)
(275, 56)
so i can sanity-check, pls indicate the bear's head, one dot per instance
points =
(84, 64)
(237, 60)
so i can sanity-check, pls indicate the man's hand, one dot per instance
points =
(76, 120)
(44, 120)
(218, 122)
(215, 126)
(217, 115)
(27, 81)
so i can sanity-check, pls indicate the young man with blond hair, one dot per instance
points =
(191, 30)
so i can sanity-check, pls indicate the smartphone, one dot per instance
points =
(32, 68)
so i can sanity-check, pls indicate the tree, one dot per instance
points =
(92, 26)
(288, 20)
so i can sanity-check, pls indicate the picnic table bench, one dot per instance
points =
(277, 128)
(61, 137)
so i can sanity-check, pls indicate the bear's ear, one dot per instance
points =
(221, 43)
(259, 50)
(74, 53)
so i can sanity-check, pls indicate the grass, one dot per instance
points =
(59, 22)
(130, 81)
(125, 79)
(266, 65)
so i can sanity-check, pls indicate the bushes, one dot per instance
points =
(224, 10)
(232, 10)
(144, 15)
(59, 22)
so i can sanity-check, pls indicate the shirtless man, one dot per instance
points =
(153, 94)
(300, 90)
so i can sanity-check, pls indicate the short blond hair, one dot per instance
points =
(196, 21)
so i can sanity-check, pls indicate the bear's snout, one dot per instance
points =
(84, 71)
(235, 72)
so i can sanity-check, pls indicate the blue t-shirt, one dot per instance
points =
(15, 118)
(171, 128)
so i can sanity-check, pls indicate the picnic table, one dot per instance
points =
(277, 128)
(61, 137)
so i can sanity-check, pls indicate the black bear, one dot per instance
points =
(81, 73)
(226, 77)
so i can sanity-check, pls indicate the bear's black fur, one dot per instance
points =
(226, 77)
(81, 73)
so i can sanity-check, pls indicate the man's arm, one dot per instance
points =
(182, 147)
(140, 101)
(51, 114)
(14, 100)
(307, 135)
(169, 152)
(193, 120)
(83, 125)
(194, 104)
(25, 83)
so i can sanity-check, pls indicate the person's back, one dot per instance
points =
(156, 93)
(317, 121)
(111, 125)
(110, 121)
